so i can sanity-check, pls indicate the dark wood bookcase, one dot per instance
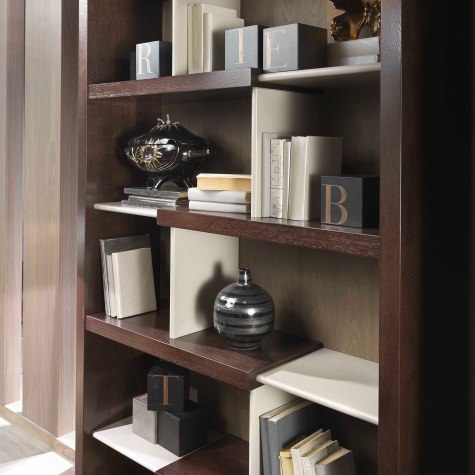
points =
(356, 292)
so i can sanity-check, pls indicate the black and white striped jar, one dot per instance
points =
(244, 313)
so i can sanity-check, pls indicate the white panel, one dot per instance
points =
(201, 264)
(118, 208)
(262, 399)
(282, 112)
(332, 379)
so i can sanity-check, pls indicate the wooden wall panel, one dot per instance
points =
(329, 297)
(49, 216)
(12, 76)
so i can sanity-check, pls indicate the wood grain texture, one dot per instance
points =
(215, 459)
(327, 297)
(282, 12)
(232, 81)
(12, 81)
(204, 352)
(310, 234)
(49, 216)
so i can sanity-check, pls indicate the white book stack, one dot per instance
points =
(206, 26)
(222, 201)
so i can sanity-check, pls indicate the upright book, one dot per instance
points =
(312, 157)
(285, 427)
(133, 282)
(214, 28)
(107, 247)
(340, 462)
(196, 13)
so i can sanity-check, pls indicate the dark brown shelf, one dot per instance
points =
(228, 455)
(204, 352)
(312, 234)
(205, 83)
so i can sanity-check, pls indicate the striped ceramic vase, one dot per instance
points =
(244, 313)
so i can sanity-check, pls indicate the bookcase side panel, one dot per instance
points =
(282, 112)
(201, 265)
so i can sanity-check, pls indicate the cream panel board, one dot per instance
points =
(201, 265)
(283, 112)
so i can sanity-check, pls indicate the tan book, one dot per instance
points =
(305, 446)
(285, 458)
(340, 462)
(222, 181)
(310, 460)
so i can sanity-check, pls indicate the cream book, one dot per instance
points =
(111, 290)
(310, 459)
(214, 28)
(133, 282)
(196, 13)
(241, 208)
(312, 158)
(223, 181)
(305, 446)
(340, 462)
(243, 197)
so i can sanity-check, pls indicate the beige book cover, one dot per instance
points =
(196, 14)
(305, 446)
(310, 460)
(214, 27)
(133, 282)
(340, 462)
(312, 158)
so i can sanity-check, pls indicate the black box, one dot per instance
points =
(183, 432)
(168, 386)
(153, 59)
(293, 47)
(244, 47)
(351, 201)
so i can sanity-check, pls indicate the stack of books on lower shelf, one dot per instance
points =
(293, 444)
(223, 193)
(152, 198)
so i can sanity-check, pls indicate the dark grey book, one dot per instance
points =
(153, 193)
(109, 246)
(154, 204)
(289, 425)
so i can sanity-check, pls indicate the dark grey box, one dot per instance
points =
(293, 47)
(153, 59)
(144, 422)
(168, 387)
(244, 47)
(351, 201)
(183, 432)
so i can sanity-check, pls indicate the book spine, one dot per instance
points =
(219, 207)
(208, 42)
(277, 177)
(110, 277)
(297, 178)
(238, 197)
(105, 280)
(286, 179)
(265, 447)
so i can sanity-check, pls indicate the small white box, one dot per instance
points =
(144, 422)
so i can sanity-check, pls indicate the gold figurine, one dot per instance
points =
(361, 18)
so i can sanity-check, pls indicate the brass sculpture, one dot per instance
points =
(361, 19)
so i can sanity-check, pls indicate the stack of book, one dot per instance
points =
(292, 168)
(206, 35)
(127, 274)
(347, 53)
(222, 193)
(151, 198)
(287, 449)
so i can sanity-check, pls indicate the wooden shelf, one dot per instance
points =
(310, 234)
(118, 208)
(214, 459)
(230, 81)
(120, 437)
(325, 78)
(332, 379)
(203, 352)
